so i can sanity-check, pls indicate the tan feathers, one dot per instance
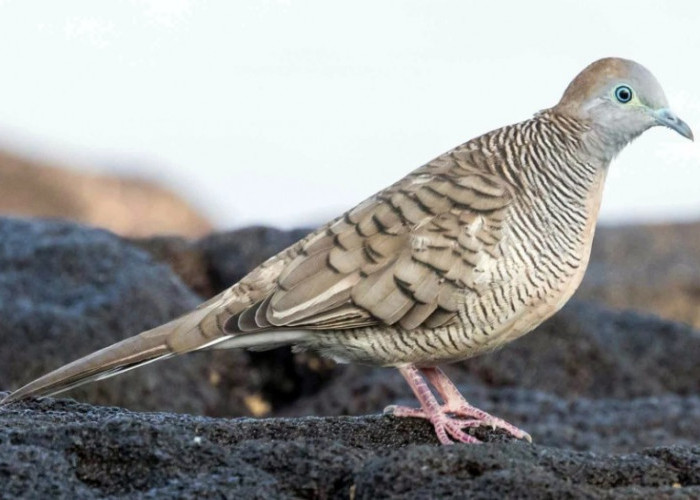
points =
(398, 258)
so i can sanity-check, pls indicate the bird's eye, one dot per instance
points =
(623, 94)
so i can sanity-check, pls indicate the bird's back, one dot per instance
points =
(466, 253)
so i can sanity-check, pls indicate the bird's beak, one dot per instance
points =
(668, 118)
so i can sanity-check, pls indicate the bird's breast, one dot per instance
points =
(530, 275)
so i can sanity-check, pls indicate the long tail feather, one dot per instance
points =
(200, 329)
(130, 353)
(176, 337)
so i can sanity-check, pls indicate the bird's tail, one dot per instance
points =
(194, 331)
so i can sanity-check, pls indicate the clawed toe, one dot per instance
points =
(447, 427)
(459, 422)
(454, 428)
(450, 418)
(497, 423)
(487, 420)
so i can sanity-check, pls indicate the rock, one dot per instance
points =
(610, 397)
(219, 260)
(67, 290)
(653, 268)
(131, 207)
(231, 255)
(185, 258)
(64, 449)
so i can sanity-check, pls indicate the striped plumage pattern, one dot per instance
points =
(468, 252)
(464, 254)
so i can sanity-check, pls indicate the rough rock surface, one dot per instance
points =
(611, 398)
(64, 449)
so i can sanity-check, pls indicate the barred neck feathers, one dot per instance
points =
(547, 152)
(557, 186)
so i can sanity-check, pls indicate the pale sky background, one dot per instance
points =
(288, 112)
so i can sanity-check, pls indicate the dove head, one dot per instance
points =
(619, 99)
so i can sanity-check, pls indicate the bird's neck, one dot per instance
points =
(606, 144)
(596, 142)
(567, 171)
(562, 169)
(568, 141)
(546, 161)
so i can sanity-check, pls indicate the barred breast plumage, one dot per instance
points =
(496, 241)
(464, 254)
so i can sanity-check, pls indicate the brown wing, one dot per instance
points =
(400, 257)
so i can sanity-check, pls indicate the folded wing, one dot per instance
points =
(402, 257)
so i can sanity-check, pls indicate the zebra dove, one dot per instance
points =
(464, 254)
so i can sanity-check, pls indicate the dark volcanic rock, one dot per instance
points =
(219, 260)
(185, 258)
(610, 398)
(231, 255)
(63, 449)
(66, 290)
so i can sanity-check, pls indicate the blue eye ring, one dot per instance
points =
(623, 94)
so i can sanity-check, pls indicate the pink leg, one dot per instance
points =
(431, 410)
(457, 405)
(454, 404)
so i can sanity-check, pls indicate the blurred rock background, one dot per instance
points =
(129, 207)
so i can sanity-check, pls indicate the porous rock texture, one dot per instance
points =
(611, 398)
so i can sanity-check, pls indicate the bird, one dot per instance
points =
(466, 253)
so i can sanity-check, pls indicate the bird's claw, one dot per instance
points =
(453, 426)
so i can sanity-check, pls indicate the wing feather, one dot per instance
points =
(404, 256)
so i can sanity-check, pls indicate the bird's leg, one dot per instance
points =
(457, 405)
(431, 410)
(454, 404)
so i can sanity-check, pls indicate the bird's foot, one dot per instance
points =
(475, 414)
(447, 428)
(454, 415)
(467, 416)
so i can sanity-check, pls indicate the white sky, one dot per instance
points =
(287, 112)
